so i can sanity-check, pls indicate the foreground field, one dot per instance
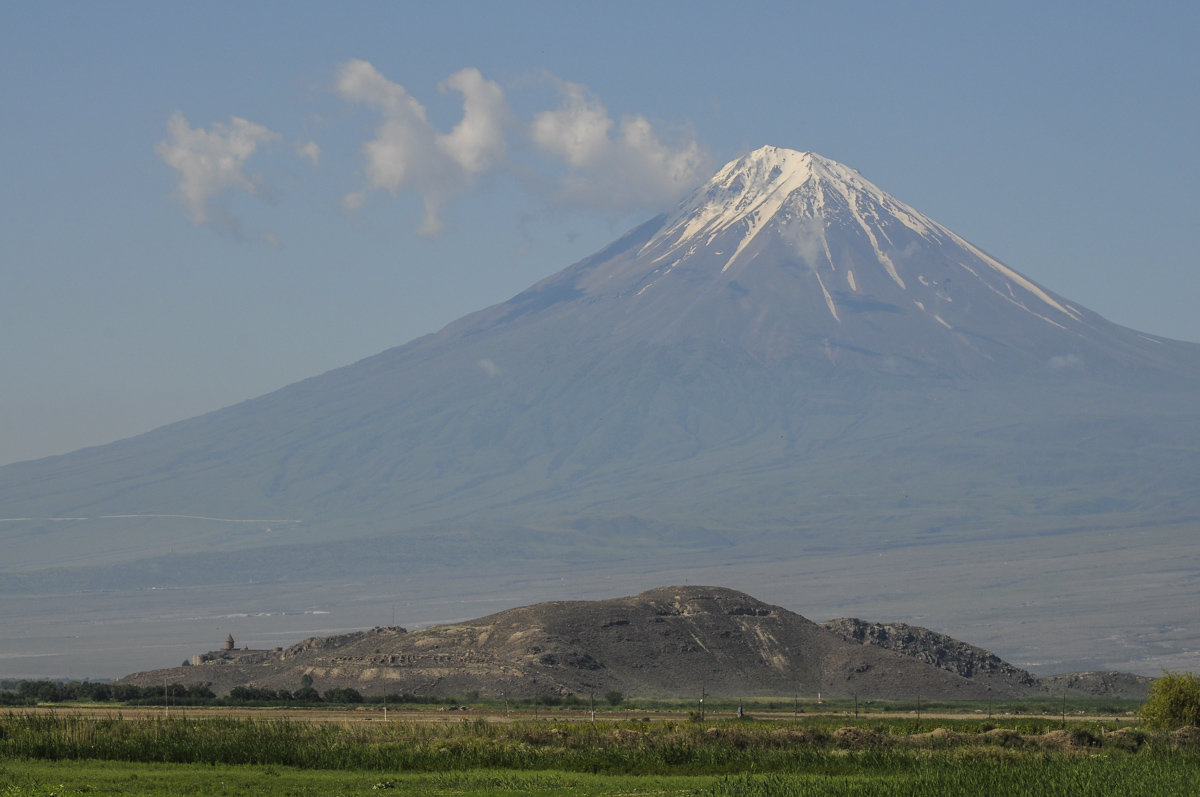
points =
(63, 754)
(852, 775)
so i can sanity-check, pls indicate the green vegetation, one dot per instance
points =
(41, 778)
(931, 776)
(68, 753)
(1010, 748)
(33, 693)
(1174, 701)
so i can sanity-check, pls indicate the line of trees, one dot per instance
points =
(29, 693)
(34, 692)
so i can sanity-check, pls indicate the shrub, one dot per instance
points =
(252, 694)
(343, 695)
(306, 694)
(1174, 701)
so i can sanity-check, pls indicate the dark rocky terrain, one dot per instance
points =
(969, 661)
(667, 642)
(937, 650)
(1102, 684)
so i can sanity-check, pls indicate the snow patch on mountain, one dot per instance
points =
(1027, 284)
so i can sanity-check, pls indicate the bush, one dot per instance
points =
(252, 694)
(306, 694)
(1174, 701)
(343, 695)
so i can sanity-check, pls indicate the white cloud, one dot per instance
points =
(577, 131)
(405, 139)
(807, 237)
(311, 152)
(408, 152)
(489, 368)
(359, 81)
(211, 163)
(477, 142)
(616, 167)
(1066, 362)
(595, 163)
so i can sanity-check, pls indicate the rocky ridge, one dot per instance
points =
(937, 650)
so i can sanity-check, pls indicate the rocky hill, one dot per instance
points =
(958, 657)
(671, 642)
(1123, 685)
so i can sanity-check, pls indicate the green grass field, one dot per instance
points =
(65, 753)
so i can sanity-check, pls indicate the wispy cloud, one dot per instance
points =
(311, 152)
(1066, 362)
(613, 166)
(211, 163)
(574, 155)
(577, 131)
(408, 152)
(477, 143)
(593, 162)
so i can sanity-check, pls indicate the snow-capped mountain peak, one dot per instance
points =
(776, 183)
(850, 236)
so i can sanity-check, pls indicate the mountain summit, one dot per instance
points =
(791, 367)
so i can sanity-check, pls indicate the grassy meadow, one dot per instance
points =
(67, 752)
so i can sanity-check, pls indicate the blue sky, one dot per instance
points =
(199, 205)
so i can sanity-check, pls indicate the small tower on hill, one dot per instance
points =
(229, 642)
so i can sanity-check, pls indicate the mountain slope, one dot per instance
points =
(792, 363)
(788, 277)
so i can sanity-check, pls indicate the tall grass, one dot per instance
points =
(1044, 775)
(630, 748)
